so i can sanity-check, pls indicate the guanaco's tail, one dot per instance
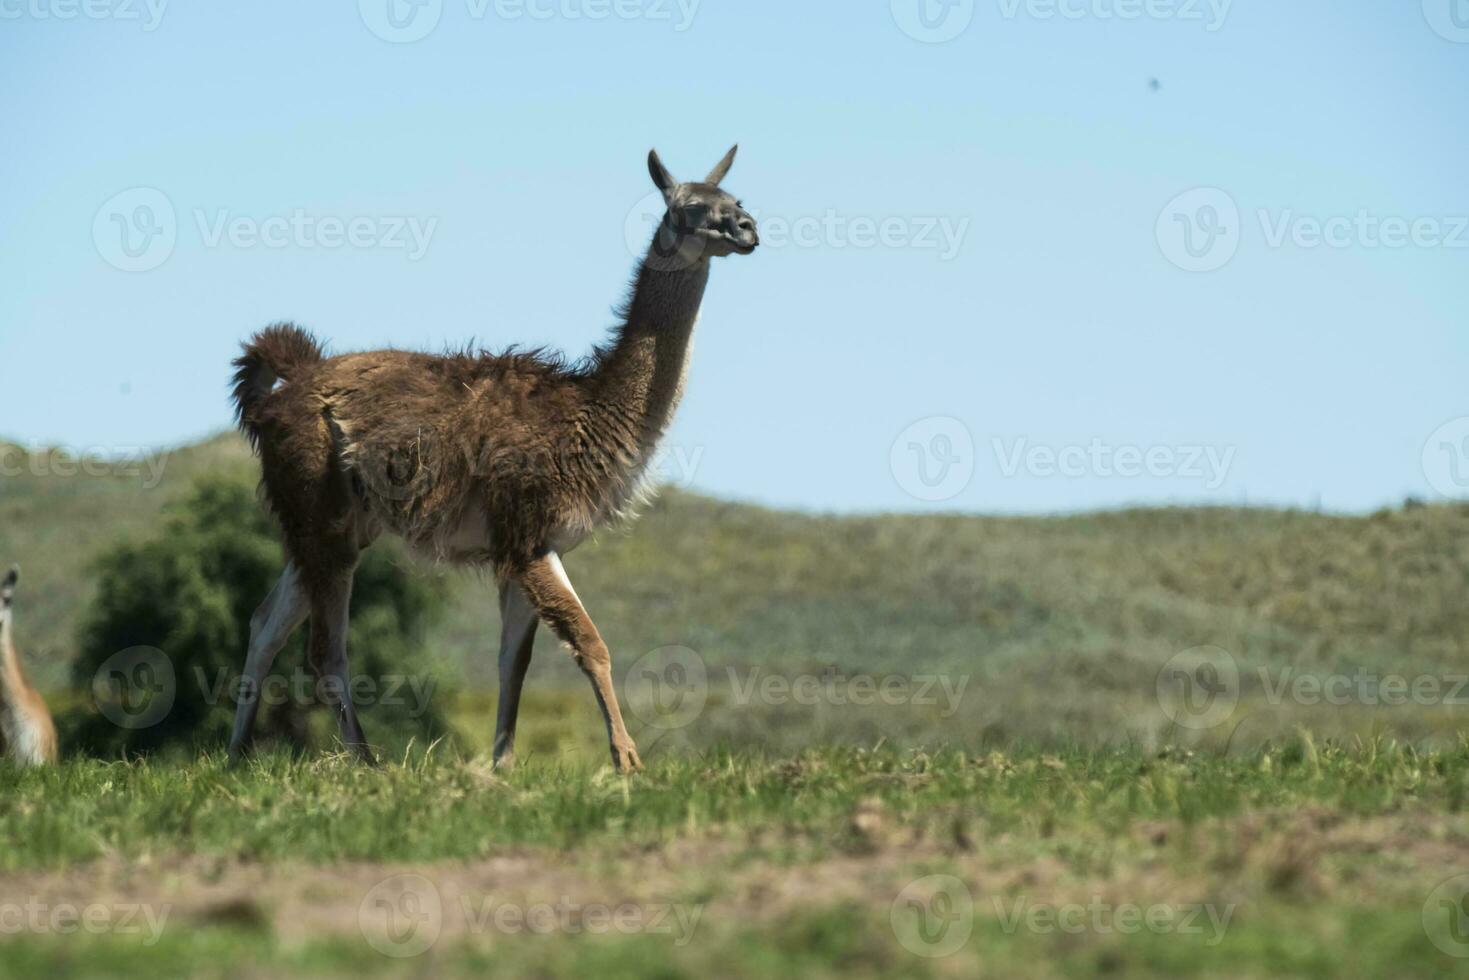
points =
(26, 728)
(273, 354)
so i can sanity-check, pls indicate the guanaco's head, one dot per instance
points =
(7, 587)
(703, 220)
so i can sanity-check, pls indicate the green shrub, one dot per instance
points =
(180, 604)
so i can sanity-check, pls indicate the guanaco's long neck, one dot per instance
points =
(639, 381)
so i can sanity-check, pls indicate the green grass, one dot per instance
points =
(1314, 860)
(328, 809)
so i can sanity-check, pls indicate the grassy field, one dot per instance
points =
(1144, 743)
(1306, 861)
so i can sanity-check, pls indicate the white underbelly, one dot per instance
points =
(468, 539)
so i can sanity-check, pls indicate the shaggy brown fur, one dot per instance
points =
(502, 460)
(27, 733)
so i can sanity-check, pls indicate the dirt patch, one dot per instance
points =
(677, 889)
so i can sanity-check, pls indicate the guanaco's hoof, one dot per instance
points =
(626, 760)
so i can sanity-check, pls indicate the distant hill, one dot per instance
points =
(1061, 620)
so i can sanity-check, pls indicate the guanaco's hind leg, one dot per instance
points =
(550, 592)
(272, 625)
(327, 650)
(518, 622)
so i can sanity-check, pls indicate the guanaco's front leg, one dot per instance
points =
(545, 583)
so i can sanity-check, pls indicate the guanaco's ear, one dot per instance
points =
(721, 169)
(662, 179)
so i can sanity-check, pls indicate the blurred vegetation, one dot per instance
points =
(187, 594)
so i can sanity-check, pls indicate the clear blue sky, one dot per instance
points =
(1319, 372)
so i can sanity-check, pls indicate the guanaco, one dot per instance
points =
(27, 732)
